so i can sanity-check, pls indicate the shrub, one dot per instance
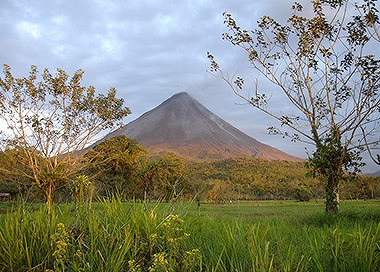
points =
(302, 193)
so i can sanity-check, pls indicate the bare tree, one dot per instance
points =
(326, 65)
(50, 119)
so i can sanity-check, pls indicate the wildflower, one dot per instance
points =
(159, 259)
(61, 228)
(133, 266)
(193, 252)
(154, 236)
(78, 254)
(191, 259)
(61, 249)
(60, 237)
(160, 263)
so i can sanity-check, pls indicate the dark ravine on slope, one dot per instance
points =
(184, 126)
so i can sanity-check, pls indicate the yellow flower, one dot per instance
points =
(60, 227)
(152, 214)
(159, 259)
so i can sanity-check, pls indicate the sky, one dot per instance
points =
(147, 49)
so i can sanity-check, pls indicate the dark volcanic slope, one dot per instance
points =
(184, 126)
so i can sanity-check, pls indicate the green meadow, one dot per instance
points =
(112, 235)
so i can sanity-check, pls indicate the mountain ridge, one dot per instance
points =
(184, 126)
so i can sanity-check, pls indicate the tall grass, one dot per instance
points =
(288, 236)
(111, 236)
(116, 236)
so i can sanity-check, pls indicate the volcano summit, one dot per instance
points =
(184, 126)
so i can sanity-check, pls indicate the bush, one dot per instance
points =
(302, 193)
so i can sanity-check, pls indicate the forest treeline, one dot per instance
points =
(120, 165)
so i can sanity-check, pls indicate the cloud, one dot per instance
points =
(147, 49)
(30, 29)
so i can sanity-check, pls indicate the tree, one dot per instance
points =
(116, 161)
(10, 168)
(170, 175)
(326, 65)
(147, 172)
(51, 118)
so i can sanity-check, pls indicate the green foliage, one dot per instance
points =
(249, 178)
(49, 119)
(171, 176)
(121, 166)
(147, 174)
(11, 180)
(302, 193)
(331, 156)
(115, 165)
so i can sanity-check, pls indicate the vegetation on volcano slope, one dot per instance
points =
(252, 179)
(120, 165)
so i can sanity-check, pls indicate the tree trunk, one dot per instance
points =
(332, 195)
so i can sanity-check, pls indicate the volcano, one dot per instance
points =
(184, 126)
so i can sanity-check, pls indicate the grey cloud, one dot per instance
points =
(147, 49)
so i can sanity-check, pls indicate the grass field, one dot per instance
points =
(238, 236)
(290, 236)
